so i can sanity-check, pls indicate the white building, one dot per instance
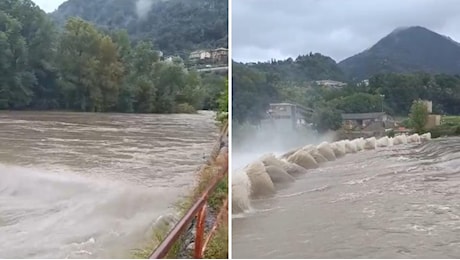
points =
(330, 83)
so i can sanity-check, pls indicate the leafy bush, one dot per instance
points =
(418, 116)
(185, 108)
(391, 133)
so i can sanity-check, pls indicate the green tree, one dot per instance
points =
(326, 118)
(252, 92)
(223, 99)
(418, 115)
(85, 68)
(77, 58)
(358, 103)
(16, 81)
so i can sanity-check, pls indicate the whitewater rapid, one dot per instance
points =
(75, 185)
(397, 201)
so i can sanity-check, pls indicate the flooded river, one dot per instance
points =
(82, 185)
(392, 202)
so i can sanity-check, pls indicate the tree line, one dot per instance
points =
(81, 68)
(254, 87)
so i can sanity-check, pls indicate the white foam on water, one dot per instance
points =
(62, 215)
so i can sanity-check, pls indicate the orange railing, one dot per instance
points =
(197, 210)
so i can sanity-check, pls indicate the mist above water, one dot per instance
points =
(251, 142)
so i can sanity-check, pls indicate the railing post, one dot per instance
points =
(222, 212)
(200, 232)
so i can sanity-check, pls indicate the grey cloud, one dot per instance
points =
(264, 29)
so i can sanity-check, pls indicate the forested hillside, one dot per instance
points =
(81, 68)
(254, 88)
(255, 85)
(174, 26)
(408, 64)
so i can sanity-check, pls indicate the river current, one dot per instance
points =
(85, 185)
(393, 202)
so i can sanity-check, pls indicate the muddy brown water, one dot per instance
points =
(395, 202)
(83, 185)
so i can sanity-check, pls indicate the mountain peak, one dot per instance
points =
(406, 49)
(406, 29)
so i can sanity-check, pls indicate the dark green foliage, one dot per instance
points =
(391, 133)
(358, 103)
(418, 116)
(209, 82)
(303, 69)
(327, 118)
(175, 26)
(401, 89)
(223, 99)
(457, 130)
(26, 53)
(83, 69)
(252, 91)
(445, 130)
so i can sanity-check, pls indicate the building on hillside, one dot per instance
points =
(219, 55)
(169, 58)
(364, 83)
(330, 83)
(364, 120)
(287, 116)
(200, 55)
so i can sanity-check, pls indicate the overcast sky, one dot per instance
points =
(264, 29)
(50, 5)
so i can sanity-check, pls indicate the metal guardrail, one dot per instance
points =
(198, 210)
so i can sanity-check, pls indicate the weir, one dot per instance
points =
(265, 173)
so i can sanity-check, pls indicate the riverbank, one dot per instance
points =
(216, 211)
